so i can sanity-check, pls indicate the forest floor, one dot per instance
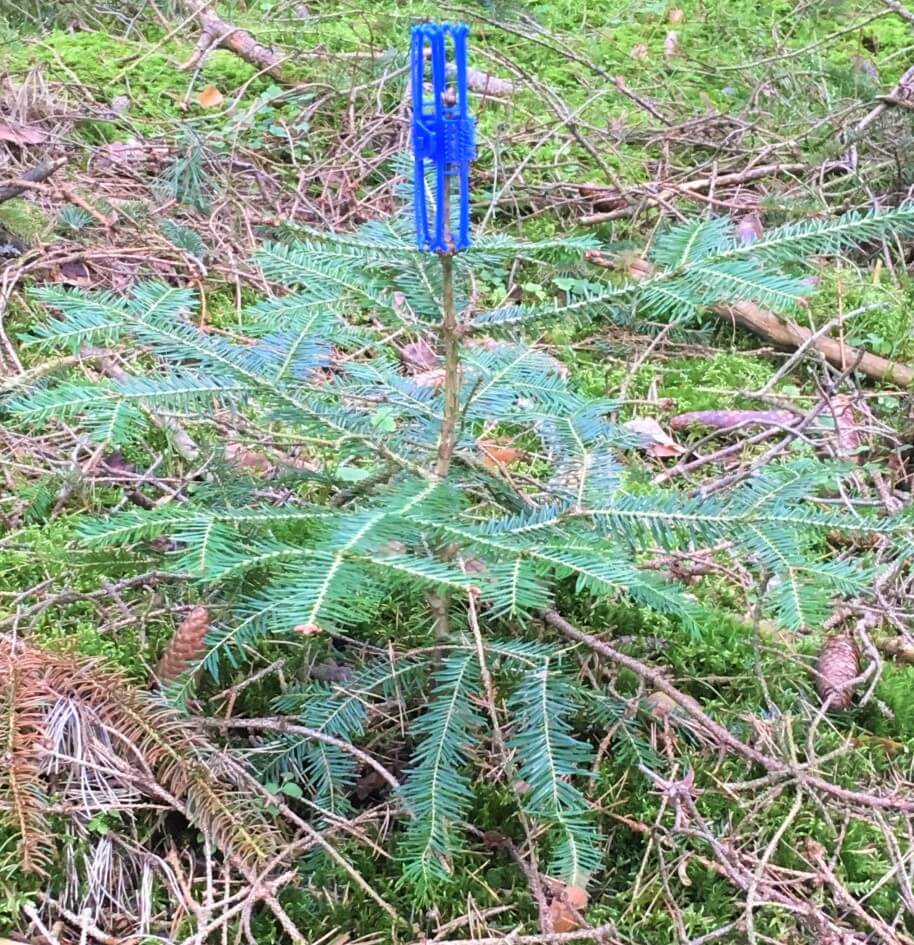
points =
(610, 119)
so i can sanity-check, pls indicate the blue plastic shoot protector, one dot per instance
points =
(444, 134)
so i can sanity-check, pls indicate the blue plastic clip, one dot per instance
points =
(444, 134)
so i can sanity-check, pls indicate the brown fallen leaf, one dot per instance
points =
(750, 228)
(370, 783)
(660, 705)
(246, 460)
(418, 356)
(307, 629)
(432, 378)
(14, 133)
(847, 424)
(566, 908)
(659, 442)
(210, 97)
(331, 671)
(495, 839)
(73, 272)
(495, 453)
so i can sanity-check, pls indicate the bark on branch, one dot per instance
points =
(217, 32)
(782, 333)
(34, 175)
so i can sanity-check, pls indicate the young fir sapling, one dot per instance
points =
(402, 507)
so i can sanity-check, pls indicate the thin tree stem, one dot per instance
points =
(450, 344)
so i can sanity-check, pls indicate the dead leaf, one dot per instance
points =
(418, 356)
(494, 839)
(368, 784)
(432, 378)
(847, 424)
(496, 454)
(22, 135)
(331, 671)
(660, 705)
(307, 629)
(210, 97)
(749, 229)
(639, 52)
(131, 151)
(73, 272)
(638, 269)
(247, 460)
(566, 908)
(659, 442)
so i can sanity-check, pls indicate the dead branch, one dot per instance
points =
(34, 175)
(724, 737)
(217, 32)
(639, 197)
(897, 97)
(784, 334)
(781, 333)
(71, 196)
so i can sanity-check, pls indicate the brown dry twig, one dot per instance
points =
(34, 175)
(783, 333)
(724, 737)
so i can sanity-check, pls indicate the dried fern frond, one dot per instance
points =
(185, 648)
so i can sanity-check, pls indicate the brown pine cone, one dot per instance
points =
(837, 668)
(186, 646)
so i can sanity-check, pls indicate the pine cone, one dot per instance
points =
(186, 646)
(838, 666)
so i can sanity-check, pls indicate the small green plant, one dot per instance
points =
(482, 553)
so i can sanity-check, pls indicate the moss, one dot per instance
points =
(22, 219)
(677, 385)
(108, 67)
(887, 325)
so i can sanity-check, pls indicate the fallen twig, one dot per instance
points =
(895, 97)
(217, 32)
(782, 333)
(723, 735)
(70, 196)
(639, 196)
(34, 175)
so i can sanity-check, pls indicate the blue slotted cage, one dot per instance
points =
(443, 133)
